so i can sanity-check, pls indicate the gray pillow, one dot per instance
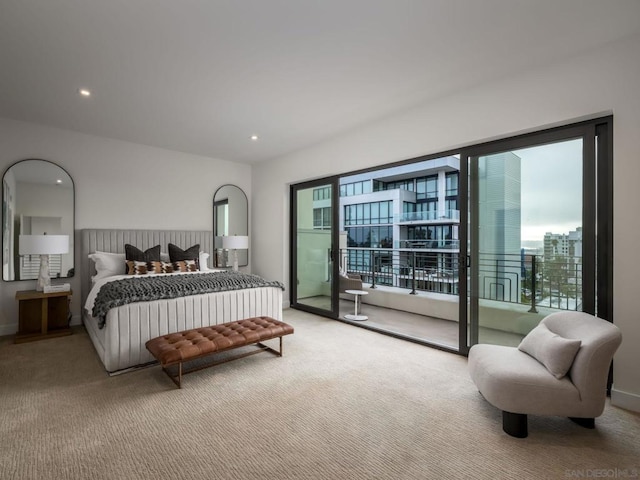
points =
(553, 351)
(134, 253)
(176, 254)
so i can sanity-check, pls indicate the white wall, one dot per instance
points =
(118, 185)
(599, 82)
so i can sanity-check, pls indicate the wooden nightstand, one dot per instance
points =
(42, 315)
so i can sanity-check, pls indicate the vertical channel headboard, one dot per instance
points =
(113, 241)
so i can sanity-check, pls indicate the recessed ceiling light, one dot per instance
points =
(84, 92)
(254, 137)
(58, 181)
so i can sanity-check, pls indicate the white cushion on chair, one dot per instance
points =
(553, 351)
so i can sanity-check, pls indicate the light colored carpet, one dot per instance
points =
(343, 403)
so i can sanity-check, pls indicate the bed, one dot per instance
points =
(120, 343)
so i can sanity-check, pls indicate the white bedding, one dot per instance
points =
(120, 344)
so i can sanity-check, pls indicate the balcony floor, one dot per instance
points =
(443, 333)
(420, 327)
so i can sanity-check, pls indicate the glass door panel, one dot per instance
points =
(313, 251)
(400, 235)
(525, 239)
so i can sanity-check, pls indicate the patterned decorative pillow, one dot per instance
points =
(176, 254)
(185, 266)
(137, 268)
(150, 255)
(160, 267)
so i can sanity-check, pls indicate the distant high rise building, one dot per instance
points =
(499, 236)
(566, 245)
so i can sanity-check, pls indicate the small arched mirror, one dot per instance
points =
(37, 199)
(230, 218)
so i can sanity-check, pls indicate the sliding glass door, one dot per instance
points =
(538, 231)
(314, 247)
(486, 240)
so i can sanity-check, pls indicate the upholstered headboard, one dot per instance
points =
(107, 240)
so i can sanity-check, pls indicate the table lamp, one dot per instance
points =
(43, 245)
(235, 243)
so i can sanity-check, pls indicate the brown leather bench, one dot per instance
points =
(180, 347)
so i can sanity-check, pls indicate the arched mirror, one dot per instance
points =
(37, 200)
(230, 219)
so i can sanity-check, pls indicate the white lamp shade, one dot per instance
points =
(43, 244)
(235, 242)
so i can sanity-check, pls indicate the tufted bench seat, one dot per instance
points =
(180, 347)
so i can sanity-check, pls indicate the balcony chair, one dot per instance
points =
(349, 281)
(560, 368)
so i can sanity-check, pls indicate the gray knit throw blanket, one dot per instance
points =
(144, 289)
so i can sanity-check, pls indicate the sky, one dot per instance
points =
(551, 189)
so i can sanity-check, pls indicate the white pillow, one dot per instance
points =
(553, 351)
(108, 264)
(203, 259)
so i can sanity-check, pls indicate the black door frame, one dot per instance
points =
(598, 147)
(597, 230)
(333, 181)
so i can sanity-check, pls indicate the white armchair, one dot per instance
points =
(560, 368)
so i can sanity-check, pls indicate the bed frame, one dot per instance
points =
(121, 343)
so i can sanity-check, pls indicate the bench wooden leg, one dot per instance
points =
(177, 379)
(272, 350)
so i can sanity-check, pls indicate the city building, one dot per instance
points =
(403, 217)
(400, 225)
(499, 235)
(564, 244)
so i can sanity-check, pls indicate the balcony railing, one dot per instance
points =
(520, 279)
(404, 269)
(453, 215)
(428, 244)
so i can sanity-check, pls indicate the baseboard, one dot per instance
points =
(626, 400)
(12, 328)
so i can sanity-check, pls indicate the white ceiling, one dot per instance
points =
(201, 76)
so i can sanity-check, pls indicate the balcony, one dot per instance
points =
(432, 245)
(448, 216)
(514, 291)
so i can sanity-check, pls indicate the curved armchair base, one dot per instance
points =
(515, 424)
(584, 422)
